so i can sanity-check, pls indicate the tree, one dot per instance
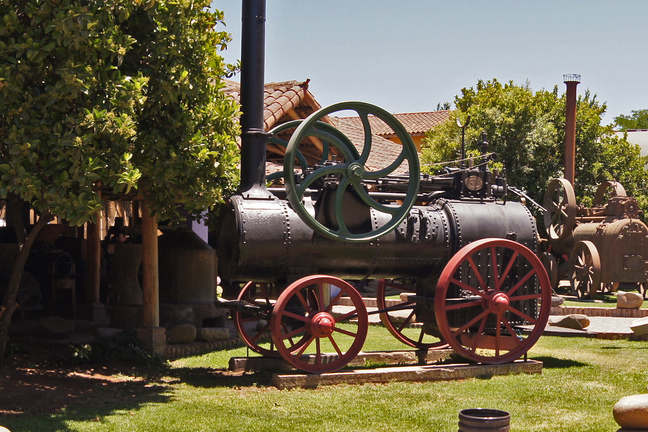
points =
(637, 120)
(526, 130)
(111, 95)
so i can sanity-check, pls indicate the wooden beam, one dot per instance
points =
(150, 270)
(93, 258)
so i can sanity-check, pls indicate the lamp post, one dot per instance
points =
(572, 81)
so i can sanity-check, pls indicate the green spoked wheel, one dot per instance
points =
(351, 171)
(300, 158)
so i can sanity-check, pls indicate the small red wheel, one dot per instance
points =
(253, 325)
(401, 322)
(305, 309)
(252, 319)
(492, 301)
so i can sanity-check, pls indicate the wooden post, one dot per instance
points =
(93, 258)
(151, 283)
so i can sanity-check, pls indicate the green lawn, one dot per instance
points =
(581, 380)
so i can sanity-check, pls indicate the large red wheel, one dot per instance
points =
(252, 319)
(305, 310)
(401, 321)
(493, 300)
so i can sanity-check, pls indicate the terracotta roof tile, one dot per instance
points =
(415, 123)
(279, 98)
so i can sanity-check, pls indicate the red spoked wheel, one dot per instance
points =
(493, 300)
(305, 310)
(252, 319)
(401, 321)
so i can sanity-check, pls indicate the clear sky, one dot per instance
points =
(409, 55)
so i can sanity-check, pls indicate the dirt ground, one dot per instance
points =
(43, 382)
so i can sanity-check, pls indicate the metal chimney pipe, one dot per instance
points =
(572, 81)
(253, 136)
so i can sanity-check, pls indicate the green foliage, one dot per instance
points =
(116, 94)
(637, 120)
(526, 129)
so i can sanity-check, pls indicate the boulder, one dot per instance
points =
(4, 429)
(629, 300)
(210, 334)
(631, 412)
(557, 301)
(640, 326)
(107, 332)
(572, 321)
(182, 334)
(55, 326)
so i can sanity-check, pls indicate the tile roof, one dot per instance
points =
(415, 123)
(280, 98)
(383, 152)
(290, 100)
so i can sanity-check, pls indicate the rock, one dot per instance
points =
(24, 327)
(210, 334)
(640, 326)
(4, 429)
(572, 321)
(107, 332)
(182, 334)
(632, 412)
(557, 301)
(55, 326)
(629, 300)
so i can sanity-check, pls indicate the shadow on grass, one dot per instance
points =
(218, 378)
(45, 399)
(557, 363)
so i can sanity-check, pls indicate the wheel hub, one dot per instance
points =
(356, 171)
(498, 303)
(322, 324)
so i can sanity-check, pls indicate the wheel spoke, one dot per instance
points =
(463, 305)
(477, 273)
(522, 315)
(468, 288)
(296, 316)
(346, 332)
(304, 302)
(366, 149)
(339, 208)
(335, 345)
(364, 196)
(317, 174)
(292, 333)
(479, 333)
(346, 316)
(407, 321)
(521, 282)
(505, 273)
(470, 323)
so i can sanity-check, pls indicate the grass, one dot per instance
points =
(581, 381)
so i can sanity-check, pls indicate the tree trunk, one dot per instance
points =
(150, 271)
(9, 304)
